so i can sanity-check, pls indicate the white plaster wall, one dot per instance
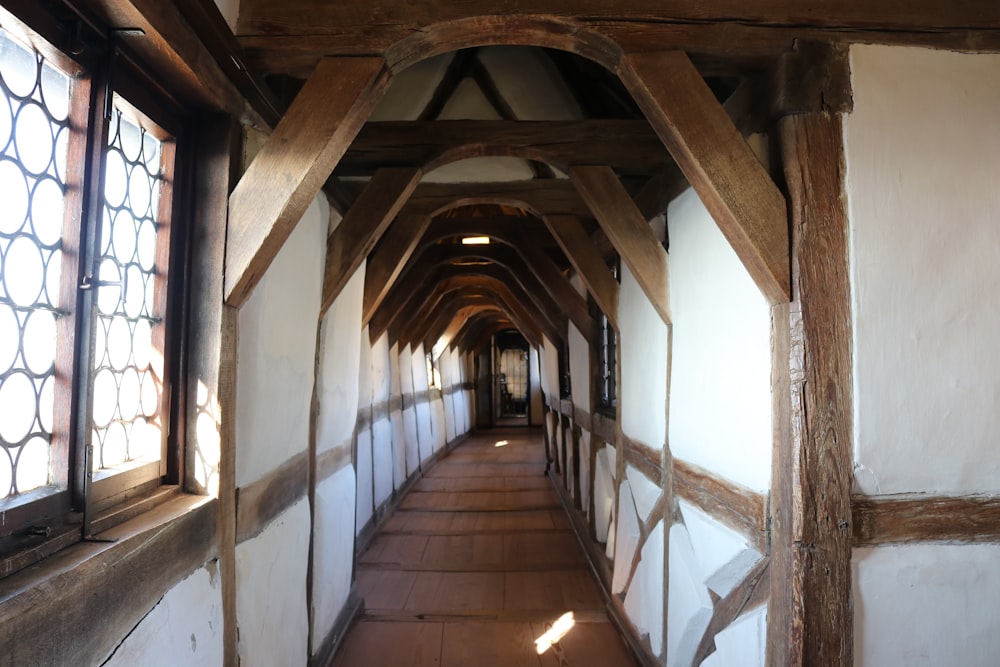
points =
(381, 380)
(382, 461)
(689, 604)
(333, 550)
(230, 10)
(366, 492)
(425, 429)
(271, 591)
(550, 369)
(542, 96)
(643, 344)
(923, 155)
(185, 626)
(579, 368)
(720, 385)
(927, 605)
(438, 424)
(411, 89)
(535, 387)
(400, 444)
(340, 366)
(644, 600)
(277, 352)
(743, 643)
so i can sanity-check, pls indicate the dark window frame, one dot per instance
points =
(41, 521)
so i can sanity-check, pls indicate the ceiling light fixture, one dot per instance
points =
(476, 240)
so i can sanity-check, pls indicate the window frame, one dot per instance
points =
(43, 520)
(606, 377)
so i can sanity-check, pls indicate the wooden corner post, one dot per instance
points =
(810, 613)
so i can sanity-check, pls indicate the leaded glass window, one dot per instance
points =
(34, 135)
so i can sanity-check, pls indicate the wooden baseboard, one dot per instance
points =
(601, 569)
(353, 609)
(386, 509)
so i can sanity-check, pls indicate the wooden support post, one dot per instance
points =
(732, 183)
(226, 518)
(810, 613)
(628, 231)
(389, 258)
(587, 261)
(294, 163)
(349, 244)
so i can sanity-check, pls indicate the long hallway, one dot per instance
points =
(478, 563)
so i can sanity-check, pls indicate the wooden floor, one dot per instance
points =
(475, 565)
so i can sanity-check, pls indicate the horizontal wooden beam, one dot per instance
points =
(918, 518)
(292, 166)
(259, 503)
(738, 507)
(292, 36)
(539, 197)
(353, 239)
(732, 183)
(631, 146)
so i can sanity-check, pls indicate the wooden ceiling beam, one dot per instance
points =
(353, 239)
(503, 263)
(292, 35)
(519, 253)
(388, 259)
(631, 146)
(587, 262)
(536, 304)
(538, 196)
(629, 232)
(294, 163)
(730, 180)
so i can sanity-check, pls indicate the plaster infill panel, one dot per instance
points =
(627, 537)
(382, 462)
(340, 365)
(689, 606)
(333, 550)
(923, 154)
(277, 353)
(579, 368)
(720, 384)
(644, 600)
(184, 626)
(644, 345)
(714, 544)
(743, 643)
(271, 592)
(604, 491)
(365, 481)
(926, 605)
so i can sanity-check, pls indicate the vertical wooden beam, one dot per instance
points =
(811, 609)
(218, 142)
(349, 244)
(628, 231)
(732, 183)
(226, 529)
(587, 261)
(292, 166)
(389, 258)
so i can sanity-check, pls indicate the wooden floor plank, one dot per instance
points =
(474, 564)
(379, 643)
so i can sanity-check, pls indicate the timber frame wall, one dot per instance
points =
(811, 520)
